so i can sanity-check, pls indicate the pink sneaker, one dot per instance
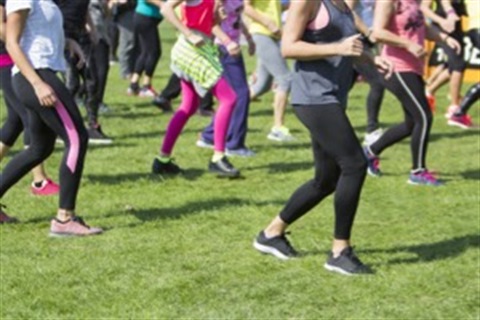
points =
(451, 111)
(73, 227)
(48, 188)
(463, 121)
(425, 178)
(5, 218)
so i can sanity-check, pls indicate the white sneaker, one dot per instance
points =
(372, 137)
(280, 134)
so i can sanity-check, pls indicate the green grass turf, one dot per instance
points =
(182, 247)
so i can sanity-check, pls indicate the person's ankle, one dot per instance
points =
(338, 246)
(64, 215)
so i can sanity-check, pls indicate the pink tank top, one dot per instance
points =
(5, 60)
(198, 15)
(407, 22)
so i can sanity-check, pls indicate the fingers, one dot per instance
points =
(49, 100)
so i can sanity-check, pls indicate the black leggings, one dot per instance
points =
(340, 167)
(17, 118)
(45, 124)
(409, 88)
(101, 55)
(88, 74)
(146, 31)
(473, 94)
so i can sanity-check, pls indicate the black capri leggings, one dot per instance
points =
(45, 124)
(146, 31)
(409, 88)
(340, 167)
(17, 118)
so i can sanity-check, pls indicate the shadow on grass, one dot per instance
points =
(471, 174)
(189, 174)
(435, 136)
(431, 251)
(282, 166)
(195, 207)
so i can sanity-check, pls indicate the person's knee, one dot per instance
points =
(284, 82)
(41, 151)
(356, 164)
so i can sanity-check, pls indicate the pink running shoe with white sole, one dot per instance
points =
(75, 227)
(463, 121)
(48, 188)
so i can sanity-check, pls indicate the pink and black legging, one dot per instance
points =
(45, 124)
(190, 102)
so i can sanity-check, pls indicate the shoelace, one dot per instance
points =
(227, 163)
(80, 221)
(289, 245)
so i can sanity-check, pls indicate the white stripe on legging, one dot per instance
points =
(424, 118)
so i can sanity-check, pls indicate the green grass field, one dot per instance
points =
(182, 247)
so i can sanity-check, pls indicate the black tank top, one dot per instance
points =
(327, 80)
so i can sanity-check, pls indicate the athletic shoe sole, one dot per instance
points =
(100, 141)
(203, 144)
(269, 250)
(457, 124)
(338, 270)
(373, 174)
(278, 139)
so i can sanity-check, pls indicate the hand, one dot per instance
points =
(272, 26)
(74, 49)
(417, 50)
(233, 48)
(195, 39)
(384, 66)
(251, 46)
(351, 46)
(452, 43)
(448, 24)
(45, 94)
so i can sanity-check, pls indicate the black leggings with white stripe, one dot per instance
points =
(409, 88)
(45, 124)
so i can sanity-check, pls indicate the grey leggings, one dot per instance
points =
(270, 64)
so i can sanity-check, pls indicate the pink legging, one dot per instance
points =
(190, 101)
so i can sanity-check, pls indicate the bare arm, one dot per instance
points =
(15, 25)
(293, 47)
(448, 23)
(2, 24)
(258, 17)
(248, 37)
(168, 11)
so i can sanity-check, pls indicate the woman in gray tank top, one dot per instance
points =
(324, 44)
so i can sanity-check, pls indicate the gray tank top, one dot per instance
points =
(327, 80)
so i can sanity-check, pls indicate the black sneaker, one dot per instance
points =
(96, 136)
(347, 263)
(223, 168)
(163, 104)
(169, 167)
(278, 246)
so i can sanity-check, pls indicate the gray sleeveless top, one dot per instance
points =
(326, 80)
